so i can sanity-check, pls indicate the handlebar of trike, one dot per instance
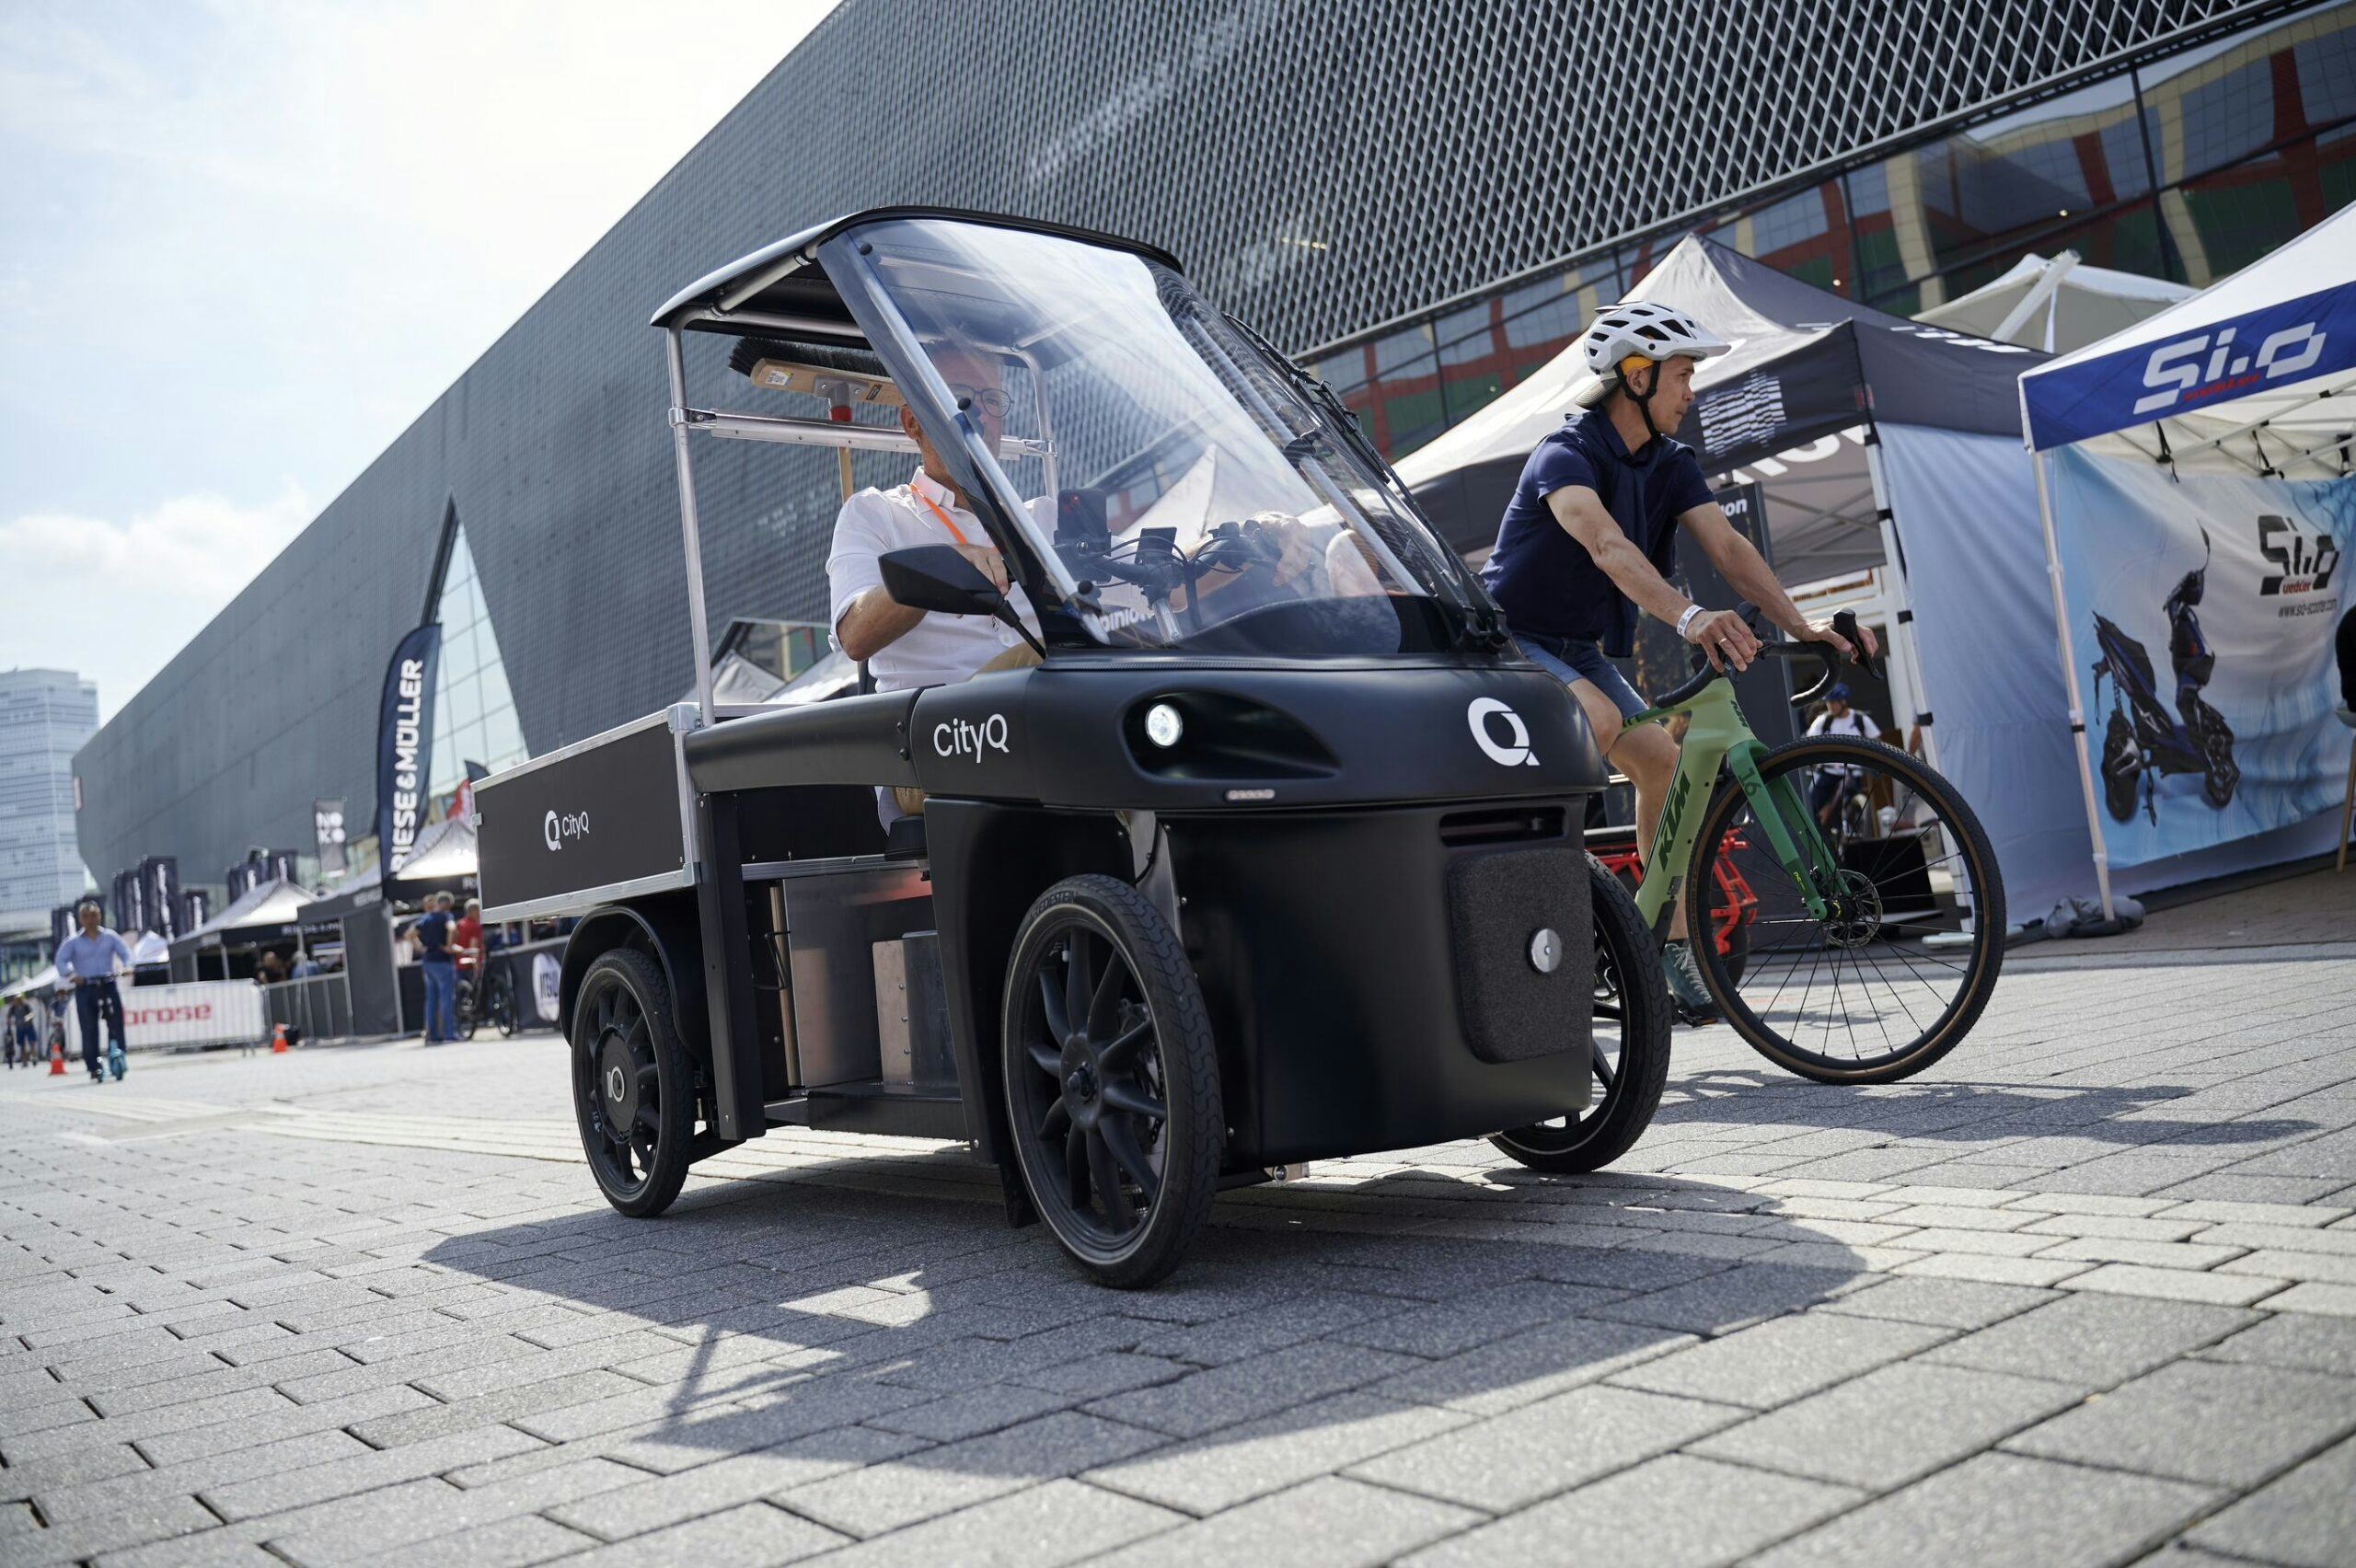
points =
(1845, 623)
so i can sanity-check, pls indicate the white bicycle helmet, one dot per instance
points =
(1654, 332)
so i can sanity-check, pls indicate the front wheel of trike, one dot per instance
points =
(633, 1088)
(1629, 1049)
(1112, 1080)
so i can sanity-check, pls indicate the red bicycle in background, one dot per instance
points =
(1732, 912)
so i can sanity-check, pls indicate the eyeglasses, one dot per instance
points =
(990, 400)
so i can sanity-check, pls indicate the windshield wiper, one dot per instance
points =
(1477, 614)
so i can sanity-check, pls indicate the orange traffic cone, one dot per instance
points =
(56, 1057)
(278, 1039)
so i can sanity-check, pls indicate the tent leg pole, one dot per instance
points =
(2070, 681)
(1905, 657)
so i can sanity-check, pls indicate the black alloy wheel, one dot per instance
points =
(633, 1088)
(2221, 774)
(1630, 1050)
(1112, 1080)
(2121, 768)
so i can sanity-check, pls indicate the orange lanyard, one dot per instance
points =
(933, 507)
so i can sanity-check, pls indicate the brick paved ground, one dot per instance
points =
(2086, 1293)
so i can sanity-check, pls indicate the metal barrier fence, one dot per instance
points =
(320, 1006)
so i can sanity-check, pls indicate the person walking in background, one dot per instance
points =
(431, 934)
(1824, 791)
(19, 1027)
(87, 961)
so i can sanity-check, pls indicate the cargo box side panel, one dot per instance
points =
(602, 820)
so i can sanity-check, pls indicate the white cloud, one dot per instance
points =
(115, 597)
(244, 240)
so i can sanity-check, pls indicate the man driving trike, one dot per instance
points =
(1589, 538)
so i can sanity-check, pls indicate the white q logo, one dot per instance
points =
(547, 829)
(1515, 755)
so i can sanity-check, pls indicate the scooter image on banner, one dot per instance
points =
(2144, 741)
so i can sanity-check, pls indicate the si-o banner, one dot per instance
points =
(405, 747)
(2201, 613)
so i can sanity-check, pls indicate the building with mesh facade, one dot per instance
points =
(1425, 200)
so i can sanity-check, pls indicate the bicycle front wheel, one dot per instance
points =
(1897, 967)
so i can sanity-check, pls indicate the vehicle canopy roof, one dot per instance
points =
(783, 279)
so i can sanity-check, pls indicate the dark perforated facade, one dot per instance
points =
(1322, 165)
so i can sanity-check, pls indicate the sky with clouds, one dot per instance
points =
(244, 243)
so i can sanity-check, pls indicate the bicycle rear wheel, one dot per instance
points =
(1858, 995)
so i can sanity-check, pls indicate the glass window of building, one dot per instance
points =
(1472, 359)
(1807, 235)
(1400, 399)
(474, 713)
(1942, 219)
(2251, 139)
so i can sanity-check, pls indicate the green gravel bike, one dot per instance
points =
(1878, 927)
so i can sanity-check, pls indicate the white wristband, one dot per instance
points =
(1686, 620)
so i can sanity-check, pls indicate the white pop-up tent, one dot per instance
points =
(1877, 443)
(2056, 303)
(2194, 481)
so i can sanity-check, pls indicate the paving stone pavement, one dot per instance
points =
(2084, 1293)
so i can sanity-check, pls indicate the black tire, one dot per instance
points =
(2122, 768)
(1632, 1022)
(1790, 944)
(467, 1007)
(1111, 1080)
(2221, 775)
(633, 1086)
(502, 1004)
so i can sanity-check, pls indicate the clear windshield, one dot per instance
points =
(1183, 479)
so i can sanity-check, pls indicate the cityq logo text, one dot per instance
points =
(2301, 562)
(2181, 374)
(963, 737)
(556, 828)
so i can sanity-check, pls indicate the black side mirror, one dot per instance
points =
(936, 578)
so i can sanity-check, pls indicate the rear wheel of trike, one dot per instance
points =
(633, 1088)
(1112, 1080)
(1630, 1050)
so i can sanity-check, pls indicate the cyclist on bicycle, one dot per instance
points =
(1589, 540)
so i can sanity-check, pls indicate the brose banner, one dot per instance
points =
(2201, 608)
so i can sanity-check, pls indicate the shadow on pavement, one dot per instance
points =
(821, 1316)
(1959, 1110)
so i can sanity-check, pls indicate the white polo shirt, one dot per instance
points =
(939, 650)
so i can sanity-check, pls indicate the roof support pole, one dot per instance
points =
(690, 534)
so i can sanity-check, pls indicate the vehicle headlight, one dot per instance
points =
(1162, 725)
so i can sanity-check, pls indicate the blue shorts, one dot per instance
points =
(1569, 659)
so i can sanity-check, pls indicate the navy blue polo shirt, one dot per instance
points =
(1544, 579)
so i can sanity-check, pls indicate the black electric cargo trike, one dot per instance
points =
(1263, 846)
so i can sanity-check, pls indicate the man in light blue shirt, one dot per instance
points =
(87, 961)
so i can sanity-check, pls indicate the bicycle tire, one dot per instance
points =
(1979, 971)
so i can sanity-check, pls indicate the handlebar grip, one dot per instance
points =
(1845, 623)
